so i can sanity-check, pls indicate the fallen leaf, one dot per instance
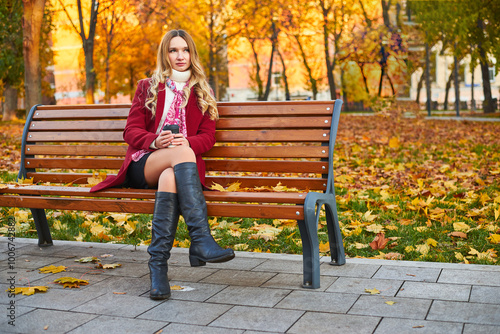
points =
(494, 238)
(88, 259)
(52, 269)
(394, 142)
(390, 303)
(324, 247)
(461, 227)
(431, 242)
(372, 291)
(71, 282)
(29, 290)
(119, 293)
(379, 242)
(176, 287)
(458, 235)
(216, 186)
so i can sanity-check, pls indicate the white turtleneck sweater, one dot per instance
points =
(179, 79)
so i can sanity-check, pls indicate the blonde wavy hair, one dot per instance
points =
(198, 80)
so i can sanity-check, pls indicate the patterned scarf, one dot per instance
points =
(175, 115)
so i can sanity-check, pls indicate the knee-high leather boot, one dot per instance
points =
(165, 220)
(194, 210)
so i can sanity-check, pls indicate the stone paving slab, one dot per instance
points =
(320, 323)
(396, 325)
(475, 313)
(442, 291)
(254, 293)
(359, 285)
(258, 318)
(119, 325)
(405, 308)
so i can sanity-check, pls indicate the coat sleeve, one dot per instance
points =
(136, 132)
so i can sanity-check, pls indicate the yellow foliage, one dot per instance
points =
(29, 290)
(52, 269)
(494, 238)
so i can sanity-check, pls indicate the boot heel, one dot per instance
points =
(196, 262)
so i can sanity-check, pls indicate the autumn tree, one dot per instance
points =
(11, 55)
(300, 24)
(32, 25)
(86, 16)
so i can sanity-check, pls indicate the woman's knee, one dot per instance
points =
(166, 181)
(186, 154)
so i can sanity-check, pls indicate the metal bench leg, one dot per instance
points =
(42, 227)
(310, 247)
(334, 235)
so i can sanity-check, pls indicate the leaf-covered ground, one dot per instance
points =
(408, 189)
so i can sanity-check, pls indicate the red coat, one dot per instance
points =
(140, 131)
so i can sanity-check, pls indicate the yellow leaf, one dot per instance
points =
(324, 247)
(479, 181)
(359, 245)
(394, 142)
(423, 249)
(421, 228)
(235, 233)
(369, 217)
(29, 290)
(484, 198)
(97, 230)
(216, 186)
(176, 287)
(390, 302)
(497, 213)
(22, 181)
(130, 226)
(71, 282)
(409, 249)
(120, 217)
(392, 227)
(494, 238)
(240, 247)
(375, 228)
(461, 227)
(234, 186)
(3, 186)
(52, 269)
(431, 242)
(372, 291)
(111, 266)
(80, 236)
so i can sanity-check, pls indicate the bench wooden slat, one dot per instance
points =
(147, 206)
(84, 136)
(268, 152)
(76, 150)
(84, 114)
(273, 122)
(216, 196)
(65, 178)
(277, 166)
(117, 125)
(252, 182)
(74, 163)
(273, 136)
(280, 108)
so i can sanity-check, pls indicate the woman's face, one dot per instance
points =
(178, 54)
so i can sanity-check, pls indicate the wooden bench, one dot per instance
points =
(258, 144)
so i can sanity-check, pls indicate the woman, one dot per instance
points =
(177, 93)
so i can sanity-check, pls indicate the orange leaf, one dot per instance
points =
(379, 242)
(458, 234)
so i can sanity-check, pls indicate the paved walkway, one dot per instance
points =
(254, 293)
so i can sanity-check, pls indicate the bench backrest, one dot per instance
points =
(258, 143)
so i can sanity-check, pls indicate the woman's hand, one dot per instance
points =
(180, 140)
(167, 138)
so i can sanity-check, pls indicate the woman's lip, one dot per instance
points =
(181, 64)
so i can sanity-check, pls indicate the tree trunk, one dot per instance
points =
(285, 78)
(314, 85)
(330, 65)
(419, 87)
(447, 91)
(258, 80)
(472, 100)
(457, 88)
(10, 105)
(488, 106)
(32, 24)
(274, 42)
(428, 78)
